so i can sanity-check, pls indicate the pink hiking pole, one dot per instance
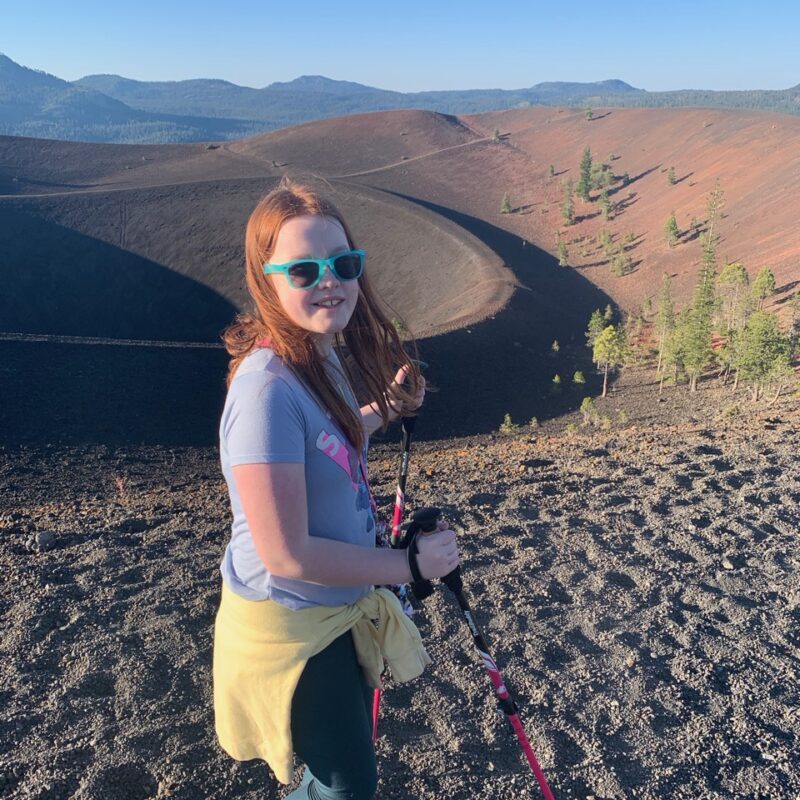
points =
(425, 520)
(397, 520)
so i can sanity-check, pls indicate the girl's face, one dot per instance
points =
(314, 236)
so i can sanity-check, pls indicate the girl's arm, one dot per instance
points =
(372, 419)
(274, 501)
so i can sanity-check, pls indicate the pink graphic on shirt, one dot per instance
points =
(334, 448)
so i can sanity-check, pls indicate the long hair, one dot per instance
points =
(369, 338)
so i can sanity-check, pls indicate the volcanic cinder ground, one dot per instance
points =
(639, 586)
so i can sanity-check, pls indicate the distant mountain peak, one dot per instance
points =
(611, 86)
(319, 83)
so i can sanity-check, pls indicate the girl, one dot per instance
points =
(301, 633)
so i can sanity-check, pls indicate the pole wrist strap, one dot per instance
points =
(411, 553)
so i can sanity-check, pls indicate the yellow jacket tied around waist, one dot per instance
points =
(261, 649)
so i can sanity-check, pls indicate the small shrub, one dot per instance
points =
(605, 423)
(730, 411)
(621, 265)
(589, 411)
(534, 423)
(505, 205)
(555, 347)
(556, 380)
(571, 429)
(507, 426)
(578, 377)
(122, 486)
(622, 417)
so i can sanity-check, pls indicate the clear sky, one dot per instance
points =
(414, 45)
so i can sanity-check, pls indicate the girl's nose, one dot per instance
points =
(328, 277)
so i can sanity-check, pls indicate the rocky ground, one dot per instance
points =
(640, 589)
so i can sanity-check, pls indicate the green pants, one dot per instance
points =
(332, 726)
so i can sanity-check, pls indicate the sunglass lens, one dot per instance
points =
(304, 274)
(348, 266)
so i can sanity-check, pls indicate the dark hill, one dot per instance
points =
(422, 191)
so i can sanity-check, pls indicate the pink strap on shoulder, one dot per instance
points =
(263, 343)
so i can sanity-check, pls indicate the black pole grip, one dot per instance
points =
(422, 588)
(408, 424)
(427, 519)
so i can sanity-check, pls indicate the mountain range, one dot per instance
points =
(111, 108)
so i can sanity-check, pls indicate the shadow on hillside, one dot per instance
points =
(78, 394)
(631, 180)
(59, 281)
(117, 395)
(785, 290)
(505, 364)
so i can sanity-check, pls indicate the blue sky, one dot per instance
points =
(412, 46)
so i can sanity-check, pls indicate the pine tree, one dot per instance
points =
(585, 182)
(567, 205)
(605, 240)
(594, 329)
(665, 317)
(600, 176)
(675, 350)
(763, 287)
(605, 204)
(635, 351)
(794, 321)
(671, 180)
(505, 205)
(608, 352)
(716, 201)
(561, 249)
(551, 171)
(671, 230)
(608, 314)
(732, 286)
(698, 351)
(762, 354)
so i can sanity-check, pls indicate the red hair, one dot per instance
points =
(370, 339)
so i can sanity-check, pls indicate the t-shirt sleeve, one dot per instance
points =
(263, 422)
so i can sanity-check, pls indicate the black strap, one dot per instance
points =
(411, 552)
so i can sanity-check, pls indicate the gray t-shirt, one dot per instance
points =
(269, 416)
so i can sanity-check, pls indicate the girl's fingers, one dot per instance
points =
(401, 376)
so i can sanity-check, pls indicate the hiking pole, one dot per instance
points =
(407, 424)
(425, 521)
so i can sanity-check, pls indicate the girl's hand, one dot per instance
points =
(399, 380)
(438, 553)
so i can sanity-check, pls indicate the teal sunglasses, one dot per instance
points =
(306, 273)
